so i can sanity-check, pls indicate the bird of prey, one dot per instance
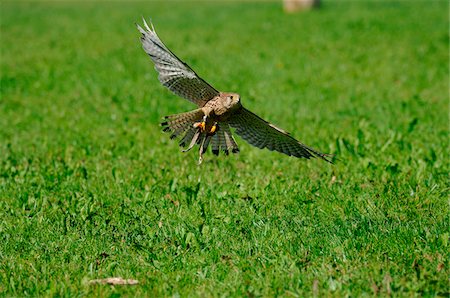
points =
(217, 111)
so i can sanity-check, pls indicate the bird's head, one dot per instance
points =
(231, 100)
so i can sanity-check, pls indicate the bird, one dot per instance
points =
(216, 111)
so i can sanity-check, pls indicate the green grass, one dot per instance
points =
(90, 187)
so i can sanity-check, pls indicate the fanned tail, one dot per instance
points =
(223, 140)
(183, 125)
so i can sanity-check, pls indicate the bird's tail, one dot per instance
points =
(223, 140)
(183, 125)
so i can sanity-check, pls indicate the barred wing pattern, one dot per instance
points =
(176, 75)
(262, 134)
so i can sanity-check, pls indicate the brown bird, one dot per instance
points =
(217, 111)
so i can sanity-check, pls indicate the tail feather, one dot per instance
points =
(223, 140)
(206, 144)
(183, 125)
(229, 139)
(195, 139)
(180, 124)
(215, 143)
(187, 137)
(223, 144)
(182, 121)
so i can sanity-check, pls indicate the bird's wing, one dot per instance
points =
(174, 73)
(262, 134)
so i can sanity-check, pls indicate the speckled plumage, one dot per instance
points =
(217, 111)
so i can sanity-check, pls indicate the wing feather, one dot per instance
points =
(263, 134)
(176, 75)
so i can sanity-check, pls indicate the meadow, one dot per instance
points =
(91, 188)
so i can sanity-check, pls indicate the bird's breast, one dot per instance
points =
(219, 110)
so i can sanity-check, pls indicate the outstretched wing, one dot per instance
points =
(262, 134)
(174, 73)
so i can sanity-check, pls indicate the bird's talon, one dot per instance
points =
(213, 129)
(200, 125)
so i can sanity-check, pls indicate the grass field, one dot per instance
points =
(91, 188)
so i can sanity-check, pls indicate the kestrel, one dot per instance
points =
(217, 111)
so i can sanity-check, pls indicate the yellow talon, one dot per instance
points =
(200, 125)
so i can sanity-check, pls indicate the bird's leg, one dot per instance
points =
(201, 125)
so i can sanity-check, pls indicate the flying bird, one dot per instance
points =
(217, 111)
